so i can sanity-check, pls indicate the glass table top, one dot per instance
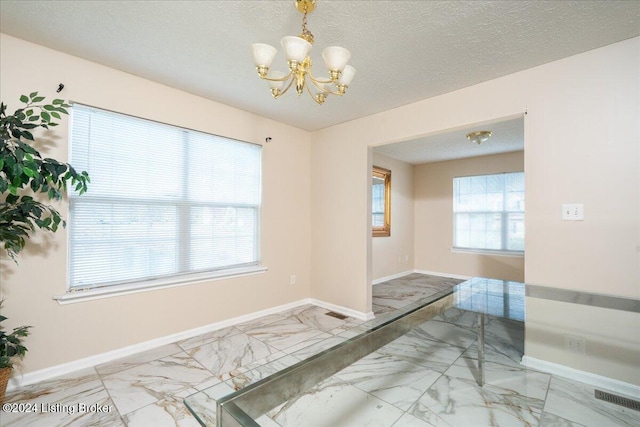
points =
(240, 403)
(500, 298)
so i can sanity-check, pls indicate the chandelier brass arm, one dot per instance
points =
(341, 88)
(297, 52)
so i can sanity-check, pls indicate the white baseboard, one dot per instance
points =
(430, 273)
(88, 362)
(602, 382)
(436, 273)
(343, 310)
(393, 276)
(91, 361)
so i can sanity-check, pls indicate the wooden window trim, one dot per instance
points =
(385, 174)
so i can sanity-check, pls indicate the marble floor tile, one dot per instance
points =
(408, 420)
(262, 321)
(295, 310)
(77, 413)
(265, 421)
(137, 359)
(261, 371)
(459, 317)
(317, 318)
(230, 353)
(413, 286)
(204, 403)
(514, 380)
(416, 348)
(314, 345)
(576, 402)
(76, 399)
(169, 411)
(426, 378)
(387, 304)
(346, 334)
(393, 380)
(453, 402)
(497, 353)
(349, 405)
(447, 333)
(550, 420)
(283, 334)
(199, 340)
(142, 385)
(506, 332)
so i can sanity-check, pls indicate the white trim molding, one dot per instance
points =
(343, 310)
(90, 294)
(436, 273)
(393, 276)
(605, 383)
(505, 253)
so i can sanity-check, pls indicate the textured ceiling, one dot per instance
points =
(404, 51)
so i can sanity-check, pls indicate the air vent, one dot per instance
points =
(336, 315)
(618, 400)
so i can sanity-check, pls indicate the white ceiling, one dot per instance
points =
(404, 51)
(507, 136)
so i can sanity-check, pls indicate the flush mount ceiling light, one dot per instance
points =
(297, 52)
(479, 137)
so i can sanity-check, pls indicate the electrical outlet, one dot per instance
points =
(293, 279)
(574, 344)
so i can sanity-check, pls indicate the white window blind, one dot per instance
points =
(488, 212)
(163, 201)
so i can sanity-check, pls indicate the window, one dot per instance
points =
(381, 202)
(164, 203)
(488, 212)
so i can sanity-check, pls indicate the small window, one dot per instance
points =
(381, 202)
(164, 203)
(488, 212)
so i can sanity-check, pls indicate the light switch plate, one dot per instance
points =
(573, 212)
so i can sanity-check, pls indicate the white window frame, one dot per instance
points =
(504, 220)
(101, 290)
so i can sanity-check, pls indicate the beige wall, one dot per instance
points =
(393, 255)
(67, 333)
(581, 146)
(434, 220)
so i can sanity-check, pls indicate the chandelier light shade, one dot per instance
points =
(479, 136)
(296, 50)
(263, 54)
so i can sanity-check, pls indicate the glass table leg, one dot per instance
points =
(481, 349)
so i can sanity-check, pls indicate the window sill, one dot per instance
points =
(76, 296)
(510, 254)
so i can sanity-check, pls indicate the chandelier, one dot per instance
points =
(297, 52)
(479, 136)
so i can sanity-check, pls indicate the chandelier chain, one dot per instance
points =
(306, 34)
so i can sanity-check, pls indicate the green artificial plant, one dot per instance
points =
(26, 177)
(11, 344)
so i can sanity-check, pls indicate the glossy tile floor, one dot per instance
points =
(426, 378)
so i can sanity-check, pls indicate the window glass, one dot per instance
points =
(489, 212)
(163, 201)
